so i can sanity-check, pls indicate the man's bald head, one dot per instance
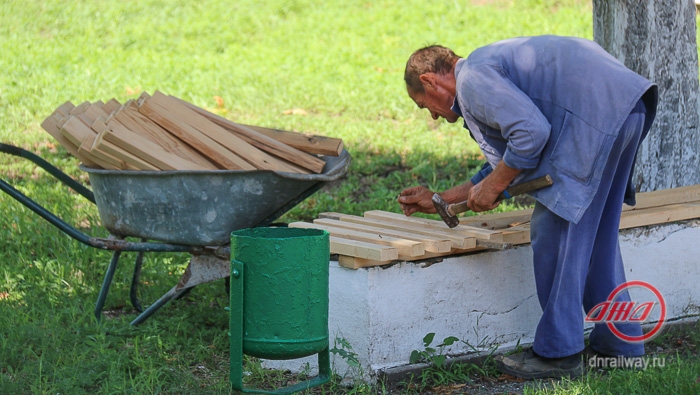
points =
(431, 59)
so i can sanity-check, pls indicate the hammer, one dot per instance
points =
(448, 212)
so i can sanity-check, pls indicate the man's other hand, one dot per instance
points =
(417, 200)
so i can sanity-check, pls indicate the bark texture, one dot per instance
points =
(657, 39)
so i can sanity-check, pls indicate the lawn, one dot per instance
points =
(332, 68)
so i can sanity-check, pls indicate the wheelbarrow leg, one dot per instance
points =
(170, 295)
(133, 292)
(202, 269)
(106, 283)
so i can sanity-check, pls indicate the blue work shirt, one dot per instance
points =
(550, 105)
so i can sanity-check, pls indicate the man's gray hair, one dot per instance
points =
(431, 59)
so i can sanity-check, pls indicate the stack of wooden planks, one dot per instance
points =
(162, 132)
(380, 238)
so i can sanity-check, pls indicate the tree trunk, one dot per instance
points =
(657, 39)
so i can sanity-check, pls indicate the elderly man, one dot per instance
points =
(548, 105)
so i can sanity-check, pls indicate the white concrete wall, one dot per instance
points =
(485, 299)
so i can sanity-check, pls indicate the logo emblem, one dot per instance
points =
(612, 311)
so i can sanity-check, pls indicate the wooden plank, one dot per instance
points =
(407, 248)
(351, 262)
(132, 119)
(196, 139)
(65, 108)
(262, 142)
(438, 225)
(430, 243)
(516, 235)
(111, 106)
(132, 161)
(146, 149)
(53, 126)
(404, 246)
(104, 161)
(79, 109)
(659, 215)
(665, 197)
(457, 240)
(259, 159)
(311, 144)
(75, 131)
(497, 221)
(91, 113)
(306, 161)
(361, 249)
(654, 210)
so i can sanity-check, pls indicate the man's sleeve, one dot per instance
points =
(485, 170)
(495, 100)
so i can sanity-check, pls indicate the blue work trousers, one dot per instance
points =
(578, 265)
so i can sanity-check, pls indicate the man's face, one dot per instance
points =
(437, 99)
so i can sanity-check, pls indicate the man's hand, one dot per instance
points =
(482, 199)
(417, 200)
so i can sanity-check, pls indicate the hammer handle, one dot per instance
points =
(515, 190)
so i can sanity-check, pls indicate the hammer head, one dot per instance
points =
(441, 207)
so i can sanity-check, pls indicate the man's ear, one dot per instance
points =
(428, 80)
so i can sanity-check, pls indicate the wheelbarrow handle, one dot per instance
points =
(96, 242)
(51, 169)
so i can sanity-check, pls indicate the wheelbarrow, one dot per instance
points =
(178, 211)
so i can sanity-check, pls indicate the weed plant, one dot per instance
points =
(332, 68)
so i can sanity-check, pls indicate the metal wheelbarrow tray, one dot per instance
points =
(178, 211)
(200, 207)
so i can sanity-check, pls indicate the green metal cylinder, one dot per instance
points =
(285, 290)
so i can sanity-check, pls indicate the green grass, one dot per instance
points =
(677, 371)
(340, 61)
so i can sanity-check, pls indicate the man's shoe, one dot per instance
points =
(528, 365)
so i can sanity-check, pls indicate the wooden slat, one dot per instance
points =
(516, 235)
(311, 144)
(665, 197)
(129, 116)
(438, 225)
(383, 239)
(259, 140)
(75, 131)
(132, 161)
(65, 108)
(103, 159)
(196, 139)
(79, 109)
(292, 155)
(407, 248)
(659, 215)
(91, 113)
(111, 106)
(145, 149)
(53, 126)
(351, 262)
(239, 147)
(653, 209)
(457, 240)
(431, 243)
(497, 221)
(361, 249)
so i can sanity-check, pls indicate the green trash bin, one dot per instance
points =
(279, 299)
